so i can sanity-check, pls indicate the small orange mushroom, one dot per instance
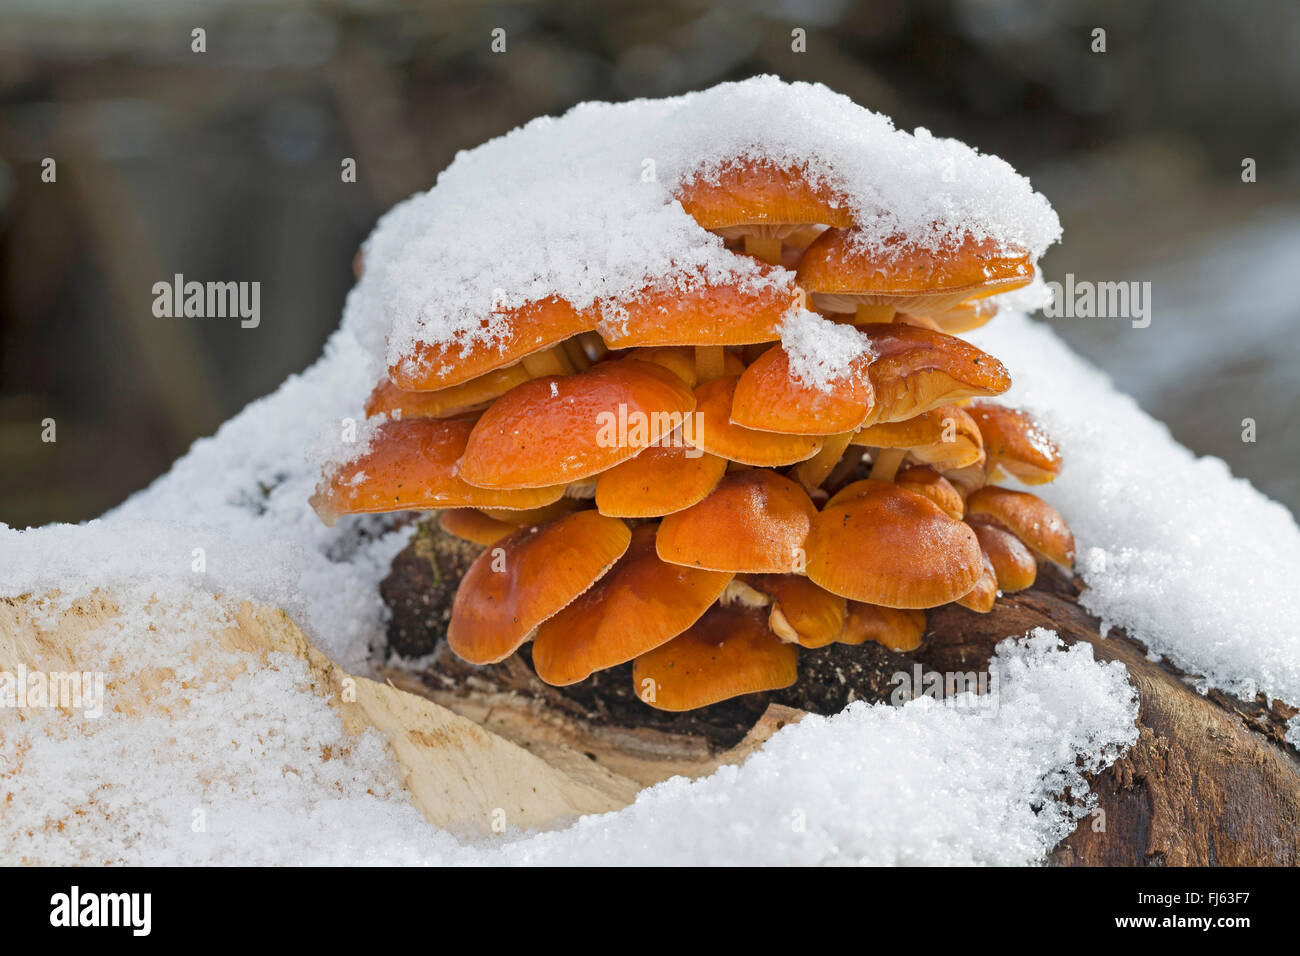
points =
(755, 521)
(641, 603)
(561, 429)
(1016, 443)
(769, 398)
(1013, 563)
(899, 629)
(925, 481)
(658, 481)
(410, 465)
(388, 399)
(522, 580)
(846, 273)
(1028, 517)
(470, 524)
(800, 612)
(715, 433)
(727, 652)
(916, 370)
(984, 594)
(514, 335)
(881, 544)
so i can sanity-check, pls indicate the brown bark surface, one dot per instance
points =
(1210, 781)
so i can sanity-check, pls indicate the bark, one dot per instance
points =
(1210, 781)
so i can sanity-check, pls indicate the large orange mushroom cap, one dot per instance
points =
(559, 429)
(917, 369)
(703, 313)
(1016, 443)
(516, 334)
(755, 521)
(727, 652)
(800, 612)
(715, 433)
(388, 399)
(641, 603)
(658, 481)
(1028, 517)
(882, 544)
(1013, 563)
(768, 397)
(514, 586)
(410, 464)
(843, 271)
(899, 629)
(760, 197)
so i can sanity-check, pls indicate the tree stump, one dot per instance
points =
(1210, 781)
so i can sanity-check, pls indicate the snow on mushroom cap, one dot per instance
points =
(581, 206)
(821, 352)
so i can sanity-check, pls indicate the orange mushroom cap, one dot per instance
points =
(842, 272)
(1016, 443)
(760, 197)
(715, 433)
(703, 313)
(925, 481)
(514, 586)
(727, 652)
(474, 526)
(801, 612)
(1013, 563)
(516, 333)
(882, 544)
(965, 316)
(388, 399)
(559, 429)
(641, 603)
(916, 369)
(1028, 517)
(410, 464)
(658, 481)
(984, 594)
(769, 398)
(899, 629)
(755, 521)
(945, 437)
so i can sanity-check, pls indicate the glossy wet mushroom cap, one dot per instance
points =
(658, 481)
(755, 521)
(716, 434)
(1013, 563)
(1028, 517)
(388, 399)
(916, 370)
(881, 544)
(411, 465)
(638, 605)
(472, 525)
(560, 429)
(726, 653)
(1016, 443)
(516, 333)
(896, 628)
(799, 611)
(515, 585)
(768, 397)
(925, 481)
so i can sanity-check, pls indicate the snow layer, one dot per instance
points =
(581, 206)
(1195, 563)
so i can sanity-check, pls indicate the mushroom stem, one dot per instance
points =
(815, 470)
(886, 464)
(769, 250)
(594, 345)
(843, 469)
(553, 361)
(710, 362)
(867, 314)
(576, 354)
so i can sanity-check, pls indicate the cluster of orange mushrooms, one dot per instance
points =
(739, 512)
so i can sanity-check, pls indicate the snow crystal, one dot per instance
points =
(581, 206)
(821, 351)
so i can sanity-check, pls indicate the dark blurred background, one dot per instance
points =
(225, 165)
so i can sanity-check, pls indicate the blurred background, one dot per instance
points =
(225, 165)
